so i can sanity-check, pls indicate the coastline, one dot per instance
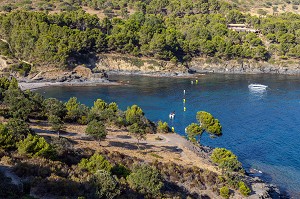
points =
(263, 189)
(131, 64)
(36, 84)
(180, 151)
(30, 84)
(40, 84)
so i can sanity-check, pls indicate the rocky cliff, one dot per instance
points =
(122, 63)
(244, 66)
(95, 68)
(129, 64)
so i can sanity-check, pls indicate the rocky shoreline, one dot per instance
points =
(143, 65)
(95, 72)
(38, 84)
(261, 189)
(244, 67)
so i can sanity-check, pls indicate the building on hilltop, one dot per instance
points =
(241, 28)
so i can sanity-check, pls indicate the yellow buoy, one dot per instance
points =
(196, 81)
(184, 109)
(173, 129)
(183, 100)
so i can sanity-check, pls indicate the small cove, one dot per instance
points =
(261, 128)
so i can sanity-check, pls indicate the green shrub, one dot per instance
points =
(99, 105)
(209, 123)
(54, 107)
(75, 110)
(194, 132)
(225, 159)
(106, 185)
(56, 123)
(103, 111)
(35, 145)
(138, 132)
(7, 140)
(94, 163)
(62, 145)
(224, 192)
(120, 121)
(83, 120)
(4, 49)
(244, 189)
(162, 127)
(120, 171)
(18, 128)
(134, 114)
(96, 129)
(146, 180)
(22, 68)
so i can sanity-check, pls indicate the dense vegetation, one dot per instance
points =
(170, 30)
(207, 123)
(50, 165)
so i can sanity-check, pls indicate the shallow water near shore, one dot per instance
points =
(261, 128)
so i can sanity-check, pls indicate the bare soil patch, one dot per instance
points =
(157, 147)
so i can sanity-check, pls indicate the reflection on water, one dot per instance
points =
(257, 93)
(261, 127)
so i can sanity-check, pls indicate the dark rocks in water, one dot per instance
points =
(61, 79)
(191, 71)
(254, 172)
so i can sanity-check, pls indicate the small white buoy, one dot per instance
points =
(192, 82)
(184, 92)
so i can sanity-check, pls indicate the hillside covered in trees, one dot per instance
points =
(168, 30)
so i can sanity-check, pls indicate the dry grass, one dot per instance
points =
(252, 6)
(171, 148)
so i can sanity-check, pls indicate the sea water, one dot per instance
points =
(261, 127)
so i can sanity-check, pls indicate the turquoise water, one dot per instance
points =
(262, 128)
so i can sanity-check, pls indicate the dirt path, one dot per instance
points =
(162, 147)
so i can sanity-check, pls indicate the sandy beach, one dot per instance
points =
(36, 85)
(39, 84)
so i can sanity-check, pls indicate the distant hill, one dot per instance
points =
(65, 33)
(122, 8)
(267, 6)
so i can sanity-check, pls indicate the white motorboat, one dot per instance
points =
(171, 116)
(257, 87)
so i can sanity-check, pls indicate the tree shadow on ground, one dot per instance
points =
(40, 123)
(126, 145)
(117, 130)
(124, 136)
(144, 146)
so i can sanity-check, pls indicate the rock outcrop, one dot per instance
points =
(122, 63)
(243, 67)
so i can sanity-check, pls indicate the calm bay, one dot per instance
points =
(260, 127)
